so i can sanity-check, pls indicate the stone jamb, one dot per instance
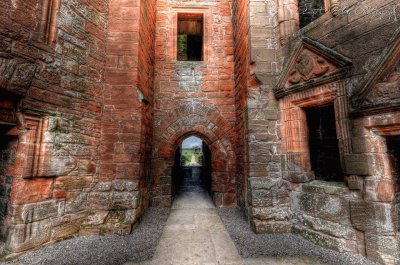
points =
(48, 22)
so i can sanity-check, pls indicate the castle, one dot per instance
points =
(298, 102)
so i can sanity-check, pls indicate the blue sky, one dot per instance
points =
(191, 141)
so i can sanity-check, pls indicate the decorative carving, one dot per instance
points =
(311, 64)
(308, 65)
(387, 90)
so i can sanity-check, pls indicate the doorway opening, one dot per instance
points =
(393, 145)
(323, 143)
(192, 167)
(8, 150)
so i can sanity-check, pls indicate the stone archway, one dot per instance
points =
(194, 119)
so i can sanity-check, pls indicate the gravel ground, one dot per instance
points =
(107, 250)
(251, 245)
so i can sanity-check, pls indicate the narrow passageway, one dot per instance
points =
(195, 235)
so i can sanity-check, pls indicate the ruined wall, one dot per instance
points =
(194, 97)
(358, 215)
(117, 200)
(56, 87)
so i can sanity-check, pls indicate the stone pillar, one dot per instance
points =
(288, 19)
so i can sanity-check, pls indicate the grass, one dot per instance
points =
(188, 153)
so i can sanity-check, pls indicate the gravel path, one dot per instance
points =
(107, 250)
(251, 245)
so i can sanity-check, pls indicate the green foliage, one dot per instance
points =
(182, 47)
(186, 156)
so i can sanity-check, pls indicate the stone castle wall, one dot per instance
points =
(55, 85)
(194, 97)
(120, 196)
(355, 216)
(94, 104)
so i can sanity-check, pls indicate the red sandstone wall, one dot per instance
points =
(194, 97)
(240, 23)
(59, 87)
(126, 120)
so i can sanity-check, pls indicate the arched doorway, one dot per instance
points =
(191, 172)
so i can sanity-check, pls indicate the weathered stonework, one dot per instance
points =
(94, 104)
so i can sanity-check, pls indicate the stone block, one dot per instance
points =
(99, 200)
(358, 164)
(125, 200)
(354, 182)
(263, 227)
(331, 188)
(325, 226)
(73, 182)
(116, 229)
(382, 190)
(325, 206)
(257, 183)
(125, 185)
(131, 216)
(95, 218)
(29, 213)
(64, 231)
(103, 186)
(76, 201)
(381, 249)
(89, 231)
(373, 217)
(22, 237)
(270, 214)
(16, 75)
(326, 241)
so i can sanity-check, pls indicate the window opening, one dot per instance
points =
(323, 143)
(190, 37)
(310, 10)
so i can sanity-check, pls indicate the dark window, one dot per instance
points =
(393, 144)
(310, 10)
(323, 143)
(190, 37)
